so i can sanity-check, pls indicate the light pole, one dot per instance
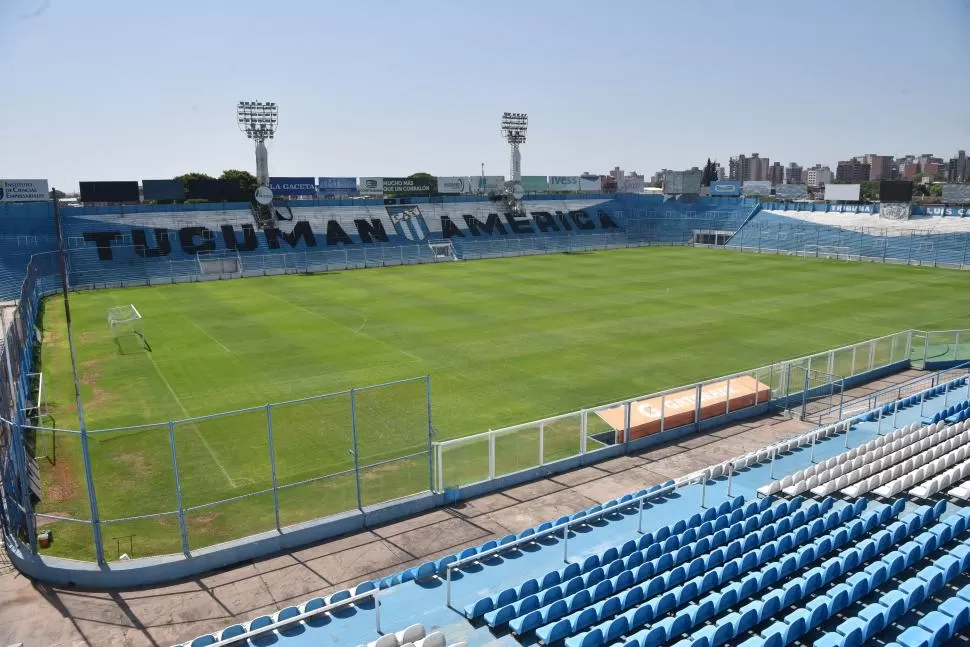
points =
(514, 127)
(258, 119)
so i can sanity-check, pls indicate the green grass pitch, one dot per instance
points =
(504, 341)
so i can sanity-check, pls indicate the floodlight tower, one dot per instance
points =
(514, 125)
(258, 120)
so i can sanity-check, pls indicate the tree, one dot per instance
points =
(869, 191)
(423, 177)
(193, 176)
(246, 179)
(710, 173)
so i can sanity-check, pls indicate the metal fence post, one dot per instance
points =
(771, 465)
(697, 407)
(353, 452)
(272, 465)
(730, 479)
(427, 380)
(626, 427)
(640, 517)
(727, 397)
(542, 441)
(663, 403)
(491, 454)
(178, 489)
(565, 542)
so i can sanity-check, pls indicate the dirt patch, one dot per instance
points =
(49, 337)
(137, 463)
(90, 372)
(63, 484)
(203, 522)
(87, 337)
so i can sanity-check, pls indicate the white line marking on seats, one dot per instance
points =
(185, 412)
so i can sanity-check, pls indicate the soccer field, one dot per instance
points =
(504, 341)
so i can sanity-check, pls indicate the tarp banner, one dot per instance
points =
(456, 184)
(24, 191)
(726, 187)
(560, 183)
(336, 186)
(293, 186)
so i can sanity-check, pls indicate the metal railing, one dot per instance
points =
(497, 453)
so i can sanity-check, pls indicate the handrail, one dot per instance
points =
(273, 626)
(557, 528)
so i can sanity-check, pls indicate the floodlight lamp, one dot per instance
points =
(257, 119)
(514, 126)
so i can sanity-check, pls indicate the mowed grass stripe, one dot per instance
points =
(505, 341)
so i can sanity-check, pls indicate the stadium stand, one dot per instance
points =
(933, 240)
(139, 244)
(769, 570)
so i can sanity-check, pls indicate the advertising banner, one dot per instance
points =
(490, 183)
(590, 183)
(630, 184)
(791, 191)
(726, 187)
(562, 183)
(336, 187)
(162, 190)
(370, 186)
(456, 184)
(842, 192)
(110, 191)
(24, 191)
(958, 193)
(292, 186)
(211, 190)
(756, 187)
(535, 183)
(408, 186)
(682, 182)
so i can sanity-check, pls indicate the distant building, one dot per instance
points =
(956, 168)
(852, 171)
(793, 174)
(745, 168)
(880, 167)
(776, 173)
(908, 170)
(818, 176)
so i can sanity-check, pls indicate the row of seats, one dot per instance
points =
(854, 573)
(927, 574)
(953, 475)
(961, 410)
(796, 593)
(904, 455)
(413, 636)
(783, 582)
(719, 586)
(883, 455)
(649, 545)
(437, 568)
(930, 462)
(941, 624)
(669, 568)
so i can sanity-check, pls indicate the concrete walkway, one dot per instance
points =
(39, 615)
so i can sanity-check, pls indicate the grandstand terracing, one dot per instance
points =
(702, 564)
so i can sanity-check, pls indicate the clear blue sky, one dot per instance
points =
(133, 89)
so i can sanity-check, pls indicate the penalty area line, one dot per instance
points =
(185, 412)
(210, 336)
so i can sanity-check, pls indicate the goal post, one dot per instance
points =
(442, 250)
(126, 320)
(219, 263)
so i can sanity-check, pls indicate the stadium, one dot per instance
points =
(465, 411)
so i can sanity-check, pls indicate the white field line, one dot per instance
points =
(185, 411)
(358, 331)
(209, 335)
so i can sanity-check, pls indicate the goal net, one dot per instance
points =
(219, 263)
(828, 251)
(125, 320)
(443, 250)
